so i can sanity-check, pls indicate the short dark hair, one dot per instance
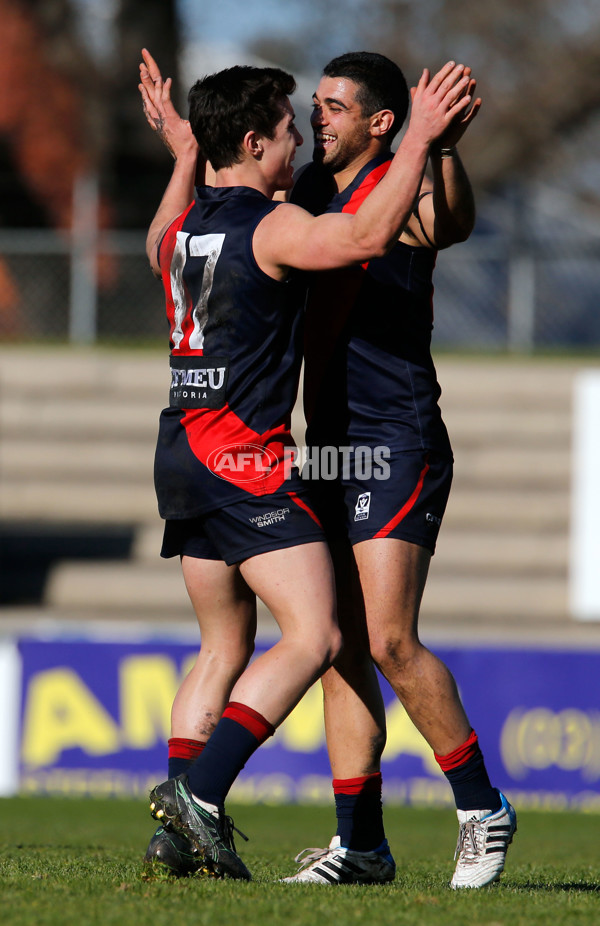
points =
(226, 105)
(382, 84)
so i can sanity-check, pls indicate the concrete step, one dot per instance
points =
(158, 587)
(72, 373)
(68, 460)
(118, 585)
(80, 418)
(516, 468)
(491, 598)
(508, 428)
(491, 509)
(95, 501)
(496, 555)
(510, 383)
(152, 590)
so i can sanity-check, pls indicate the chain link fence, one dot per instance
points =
(51, 291)
(491, 293)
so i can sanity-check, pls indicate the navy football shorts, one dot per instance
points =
(408, 504)
(255, 525)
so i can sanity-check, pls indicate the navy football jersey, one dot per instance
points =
(236, 346)
(369, 375)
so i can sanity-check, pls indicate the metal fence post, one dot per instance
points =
(84, 254)
(521, 303)
(520, 322)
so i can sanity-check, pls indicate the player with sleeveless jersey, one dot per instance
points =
(371, 383)
(232, 385)
(221, 261)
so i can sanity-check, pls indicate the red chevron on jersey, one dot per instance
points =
(256, 463)
(337, 291)
(367, 186)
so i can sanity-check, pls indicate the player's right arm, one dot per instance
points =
(175, 199)
(176, 134)
(291, 237)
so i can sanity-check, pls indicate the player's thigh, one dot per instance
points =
(224, 604)
(297, 585)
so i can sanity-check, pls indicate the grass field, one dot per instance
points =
(70, 861)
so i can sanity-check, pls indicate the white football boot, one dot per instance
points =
(338, 865)
(483, 840)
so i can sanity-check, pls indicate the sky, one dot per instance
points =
(230, 22)
(239, 20)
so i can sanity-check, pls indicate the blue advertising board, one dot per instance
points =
(94, 719)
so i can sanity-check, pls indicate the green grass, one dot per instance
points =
(70, 861)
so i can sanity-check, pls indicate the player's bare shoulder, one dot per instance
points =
(274, 236)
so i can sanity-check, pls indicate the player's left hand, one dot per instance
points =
(463, 120)
(161, 115)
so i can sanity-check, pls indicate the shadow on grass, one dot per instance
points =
(575, 887)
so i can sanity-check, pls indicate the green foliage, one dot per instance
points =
(70, 861)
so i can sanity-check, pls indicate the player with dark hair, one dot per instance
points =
(380, 84)
(235, 512)
(370, 383)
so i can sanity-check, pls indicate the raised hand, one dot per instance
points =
(438, 100)
(462, 121)
(161, 115)
(452, 89)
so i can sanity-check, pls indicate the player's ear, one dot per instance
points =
(381, 122)
(253, 144)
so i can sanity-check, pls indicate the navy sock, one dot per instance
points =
(359, 812)
(466, 772)
(182, 753)
(226, 753)
(177, 766)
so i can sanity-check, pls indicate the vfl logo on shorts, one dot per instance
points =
(363, 505)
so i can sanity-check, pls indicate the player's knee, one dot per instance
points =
(391, 654)
(233, 657)
(376, 745)
(353, 659)
(336, 643)
(243, 656)
(330, 648)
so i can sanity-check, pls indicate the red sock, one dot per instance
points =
(370, 783)
(250, 719)
(180, 748)
(460, 755)
(182, 752)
